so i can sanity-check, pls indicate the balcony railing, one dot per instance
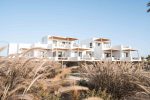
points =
(106, 47)
(81, 46)
(61, 45)
(112, 59)
(126, 47)
(71, 58)
(58, 58)
(131, 59)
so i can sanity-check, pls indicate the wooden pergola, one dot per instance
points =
(103, 40)
(60, 49)
(80, 49)
(130, 49)
(62, 38)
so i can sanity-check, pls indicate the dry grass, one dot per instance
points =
(21, 76)
(32, 78)
(41, 79)
(119, 79)
(2, 48)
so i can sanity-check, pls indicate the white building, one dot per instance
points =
(59, 48)
(103, 50)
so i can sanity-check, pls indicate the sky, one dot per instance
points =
(123, 21)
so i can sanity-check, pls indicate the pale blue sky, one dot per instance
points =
(123, 21)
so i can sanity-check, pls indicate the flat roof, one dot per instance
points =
(62, 38)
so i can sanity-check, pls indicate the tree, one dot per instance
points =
(148, 6)
(148, 57)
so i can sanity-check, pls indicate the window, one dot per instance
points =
(80, 54)
(59, 54)
(42, 54)
(54, 54)
(98, 44)
(91, 45)
(55, 42)
(127, 54)
(63, 42)
(108, 54)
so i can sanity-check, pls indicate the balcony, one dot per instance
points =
(106, 47)
(39, 45)
(61, 46)
(79, 45)
(58, 58)
(131, 59)
(111, 59)
(81, 58)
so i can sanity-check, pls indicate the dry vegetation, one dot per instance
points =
(41, 79)
(121, 80)
(35, 79)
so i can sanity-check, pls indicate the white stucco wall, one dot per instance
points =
(23, 45)
(12, 48)
(39, 45)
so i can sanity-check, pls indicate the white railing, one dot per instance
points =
(105, 47)
(70, 58)
(131, 59)
(116, 58)
(89, 58)
(108, 59)
(58, 58)
(112, 59)
(126, 47)
(61, 45)
(136, 59)
(92, 58)
(79, 45)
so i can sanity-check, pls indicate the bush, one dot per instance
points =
(119, 79)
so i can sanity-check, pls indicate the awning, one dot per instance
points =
(62, 38)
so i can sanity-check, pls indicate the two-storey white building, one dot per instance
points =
(67, 48)
(103, 50)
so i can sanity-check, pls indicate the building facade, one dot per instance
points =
(58, 48)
